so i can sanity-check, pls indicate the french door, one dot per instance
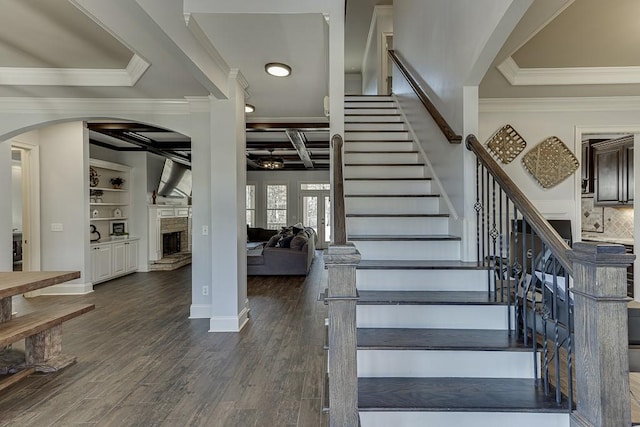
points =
(316, 212)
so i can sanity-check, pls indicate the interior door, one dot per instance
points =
(316, 214)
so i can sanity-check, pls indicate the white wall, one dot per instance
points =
(537, 119)
(449, 45)
(353, 84)
(292, 179)
(64, 200)
(381, 22)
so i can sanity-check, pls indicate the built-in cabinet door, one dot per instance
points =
(119, 258)
(608, 182)
(101, 262)
(131, 249)
(628, 181)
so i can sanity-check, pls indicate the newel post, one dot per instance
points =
(601, 338)
(341, 262)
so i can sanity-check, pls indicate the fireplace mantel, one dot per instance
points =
(156, 214)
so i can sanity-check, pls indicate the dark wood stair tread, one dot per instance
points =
(383, 164)
(381, 152)
(378, 140)
(454, 395)
(427, 297)
(375, 264)
(376, 115)
(402, 238)
(438, 339)
(386, 179)
(397, 215)
(391, 195)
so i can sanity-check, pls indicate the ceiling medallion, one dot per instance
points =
(271, 162)
(277, 69)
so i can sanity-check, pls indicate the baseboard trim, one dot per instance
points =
(68, 289)
(229, 323)
(200, 311)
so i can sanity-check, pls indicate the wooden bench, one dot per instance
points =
(41, 330)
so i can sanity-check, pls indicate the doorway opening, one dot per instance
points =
(315, 206)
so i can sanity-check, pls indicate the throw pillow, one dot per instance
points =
(273, 241)
(298, 241)
(285, 242)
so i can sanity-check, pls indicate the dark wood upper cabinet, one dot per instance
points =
(613, 168)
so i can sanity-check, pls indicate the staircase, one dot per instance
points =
(432, 345)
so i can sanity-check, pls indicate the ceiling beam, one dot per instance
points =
(185, 160)
(298, 141)
(114, 147)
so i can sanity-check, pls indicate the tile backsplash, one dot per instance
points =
(608, 222)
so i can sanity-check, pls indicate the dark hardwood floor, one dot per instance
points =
(142, 362)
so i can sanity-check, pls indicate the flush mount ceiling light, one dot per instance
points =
(277, 69)
(248, 108)
(271, 162)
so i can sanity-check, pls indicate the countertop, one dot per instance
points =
(591, 237)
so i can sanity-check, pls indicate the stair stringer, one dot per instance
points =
(456, 223)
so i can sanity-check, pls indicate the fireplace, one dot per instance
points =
(171, 243)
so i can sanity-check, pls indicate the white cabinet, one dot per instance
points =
(131, 255)
(101, 260)
(119, 259)
(112, 259)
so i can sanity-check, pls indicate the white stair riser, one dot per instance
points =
(368, 98)
(388, 187)
(441, 363)
(417, 171)
(369, 104)
(375, 126)
(373, 119)
(398, 226)
(359, 110)
(432, 316)
(368, 147)
(412, 250)
(381, 158)
(377, 136)
(422, 280)
(463, 419)
(392, 205)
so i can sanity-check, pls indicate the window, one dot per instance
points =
(251, 205)
(315, 186)
(276, 206)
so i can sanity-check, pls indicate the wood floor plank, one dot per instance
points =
(142, 361)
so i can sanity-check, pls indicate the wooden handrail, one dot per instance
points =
(534, 218)
(339, 213)
(448, 132)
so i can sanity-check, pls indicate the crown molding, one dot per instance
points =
(199, 34)
(199, 104)
(567, 76)
(129, 76)
(573, 104)
(94, 106)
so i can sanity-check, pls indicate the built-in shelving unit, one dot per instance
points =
(104, 199)
(109, 209)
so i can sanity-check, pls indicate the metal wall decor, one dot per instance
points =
(506, 144)
(550, 162)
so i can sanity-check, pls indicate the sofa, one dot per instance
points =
(288, 252)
